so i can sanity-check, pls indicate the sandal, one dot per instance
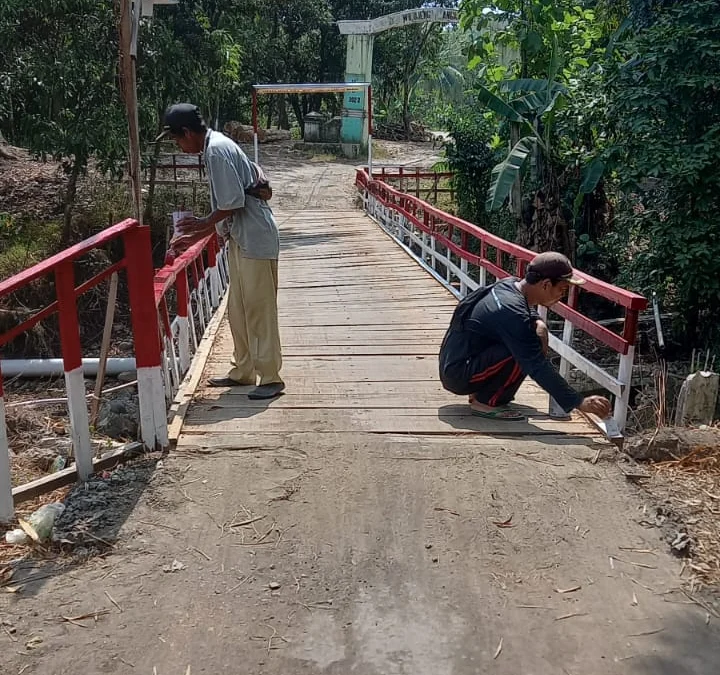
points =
(502, 414)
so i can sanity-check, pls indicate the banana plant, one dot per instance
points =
(524, 103)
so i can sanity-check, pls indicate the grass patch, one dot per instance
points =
(27, 244)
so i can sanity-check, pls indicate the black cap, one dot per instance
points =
(181, 116)
(553, 266)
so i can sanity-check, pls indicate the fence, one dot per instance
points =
(417, 180)
(458, 254)
(163, 346)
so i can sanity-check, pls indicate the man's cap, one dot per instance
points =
(553, 266)
(181, 116)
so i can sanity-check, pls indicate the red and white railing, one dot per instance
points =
(436, 239)
(163, 346)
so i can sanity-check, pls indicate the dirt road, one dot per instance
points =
(375, 554)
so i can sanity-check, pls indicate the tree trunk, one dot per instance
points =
(295, 103)
(516, 192)
(271, 101)
(150, 203)
(69, 201)
(283, 122)
(406, 112)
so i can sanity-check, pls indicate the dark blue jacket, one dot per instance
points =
(500, 314)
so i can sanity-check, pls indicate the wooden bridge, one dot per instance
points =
(361, 325)
(363, 522)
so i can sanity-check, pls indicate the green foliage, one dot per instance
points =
(472, 158)
(665, 120)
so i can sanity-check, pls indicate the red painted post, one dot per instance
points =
(631, 324)
(72, 365)
(146, 337)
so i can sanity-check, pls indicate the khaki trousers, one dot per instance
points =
(253, 317)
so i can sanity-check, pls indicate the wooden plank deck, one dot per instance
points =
(361, 325)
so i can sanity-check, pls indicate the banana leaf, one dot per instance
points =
(504, 174)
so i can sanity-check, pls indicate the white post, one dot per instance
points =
(448, 273)
(175, 376)
(463, 284)
(153, 414)
(79, 422)
(625, 377)
(567, 339)
(6, 499)
(214, 286)
(184, 342)
(255, 145)
(482, 280)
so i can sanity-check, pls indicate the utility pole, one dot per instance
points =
(129, 27)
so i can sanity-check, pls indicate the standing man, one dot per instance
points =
(247, 222)
(496, 339)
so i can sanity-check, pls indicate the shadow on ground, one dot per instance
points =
(95, 512)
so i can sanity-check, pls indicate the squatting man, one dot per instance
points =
(496, 338)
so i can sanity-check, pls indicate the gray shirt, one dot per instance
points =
(252, 227)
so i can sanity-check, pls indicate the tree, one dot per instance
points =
(664, 118)
(57, 59)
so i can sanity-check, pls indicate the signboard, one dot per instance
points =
(398, 20)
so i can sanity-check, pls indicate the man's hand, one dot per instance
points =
(597, 405)
(180, 244)
(199, 228)
(189, 225)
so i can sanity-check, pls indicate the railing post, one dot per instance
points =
(626, 368)
(214, 274)
(567, 337)
(183, 305)
(6, 498)
(72, 365)
(482, 277)
(146, 336)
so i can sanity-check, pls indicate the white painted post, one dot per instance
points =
(7, 508)
(214, 286)
(184, 343)
(255, 145)
(146, 336)
(448, 273)
(153, 414)
(625, 376)
(175, 376)
(432, 253)
(567, 339)
(79, 421)
(73, 368)
(463, 283)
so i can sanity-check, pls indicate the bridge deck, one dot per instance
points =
(361, 325)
